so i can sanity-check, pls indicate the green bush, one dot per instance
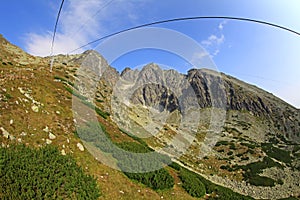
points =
(261, 181)
(134, 147)
(191, 183)
(252, 171)
(192, 186)
(175, 166)
(232, 146)
(278, 154)
(7, 96)
(141, 141)
(71, 91)
(96, 133)
(42, 174)
(226, 167)
(157, 180)
(219, 143)
(129, 156)
(134, 157)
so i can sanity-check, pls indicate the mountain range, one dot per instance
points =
(228, 132)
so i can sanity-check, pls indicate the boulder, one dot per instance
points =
(63, 152)
(46, 129)
(80, 146)
(48, 141)
(35, 108)
(51, 136)
(4, 133)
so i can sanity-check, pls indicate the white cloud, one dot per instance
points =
(213, 43)
(81, 22)
(221, 25)
(216, 52)
(213, 40)
(40, 44)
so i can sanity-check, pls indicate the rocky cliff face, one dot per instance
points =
(245, 97)
(167, 90)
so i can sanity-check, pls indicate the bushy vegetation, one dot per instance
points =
(296, 148)
(71, 91)
(95, 133)
(226, 167)
(219, 143)
(191, 183)
(133, 158)
(232, 146)
(42, 174)
(64, 80)
(7, 97)
(261, 181)
(157, 180)
(252, 171)
(175, 166)
(139, 140)
(134, 147)
(136, 156)
(218, 192)
(278, 154)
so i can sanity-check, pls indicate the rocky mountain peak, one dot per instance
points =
(126, 70)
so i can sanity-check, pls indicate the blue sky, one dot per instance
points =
(265, 56)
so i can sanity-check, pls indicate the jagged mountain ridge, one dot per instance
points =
(237, 95)
(268, 117)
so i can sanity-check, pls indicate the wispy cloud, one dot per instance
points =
(213, 40)
(213, 43)
(221, 25)
(81, 22)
